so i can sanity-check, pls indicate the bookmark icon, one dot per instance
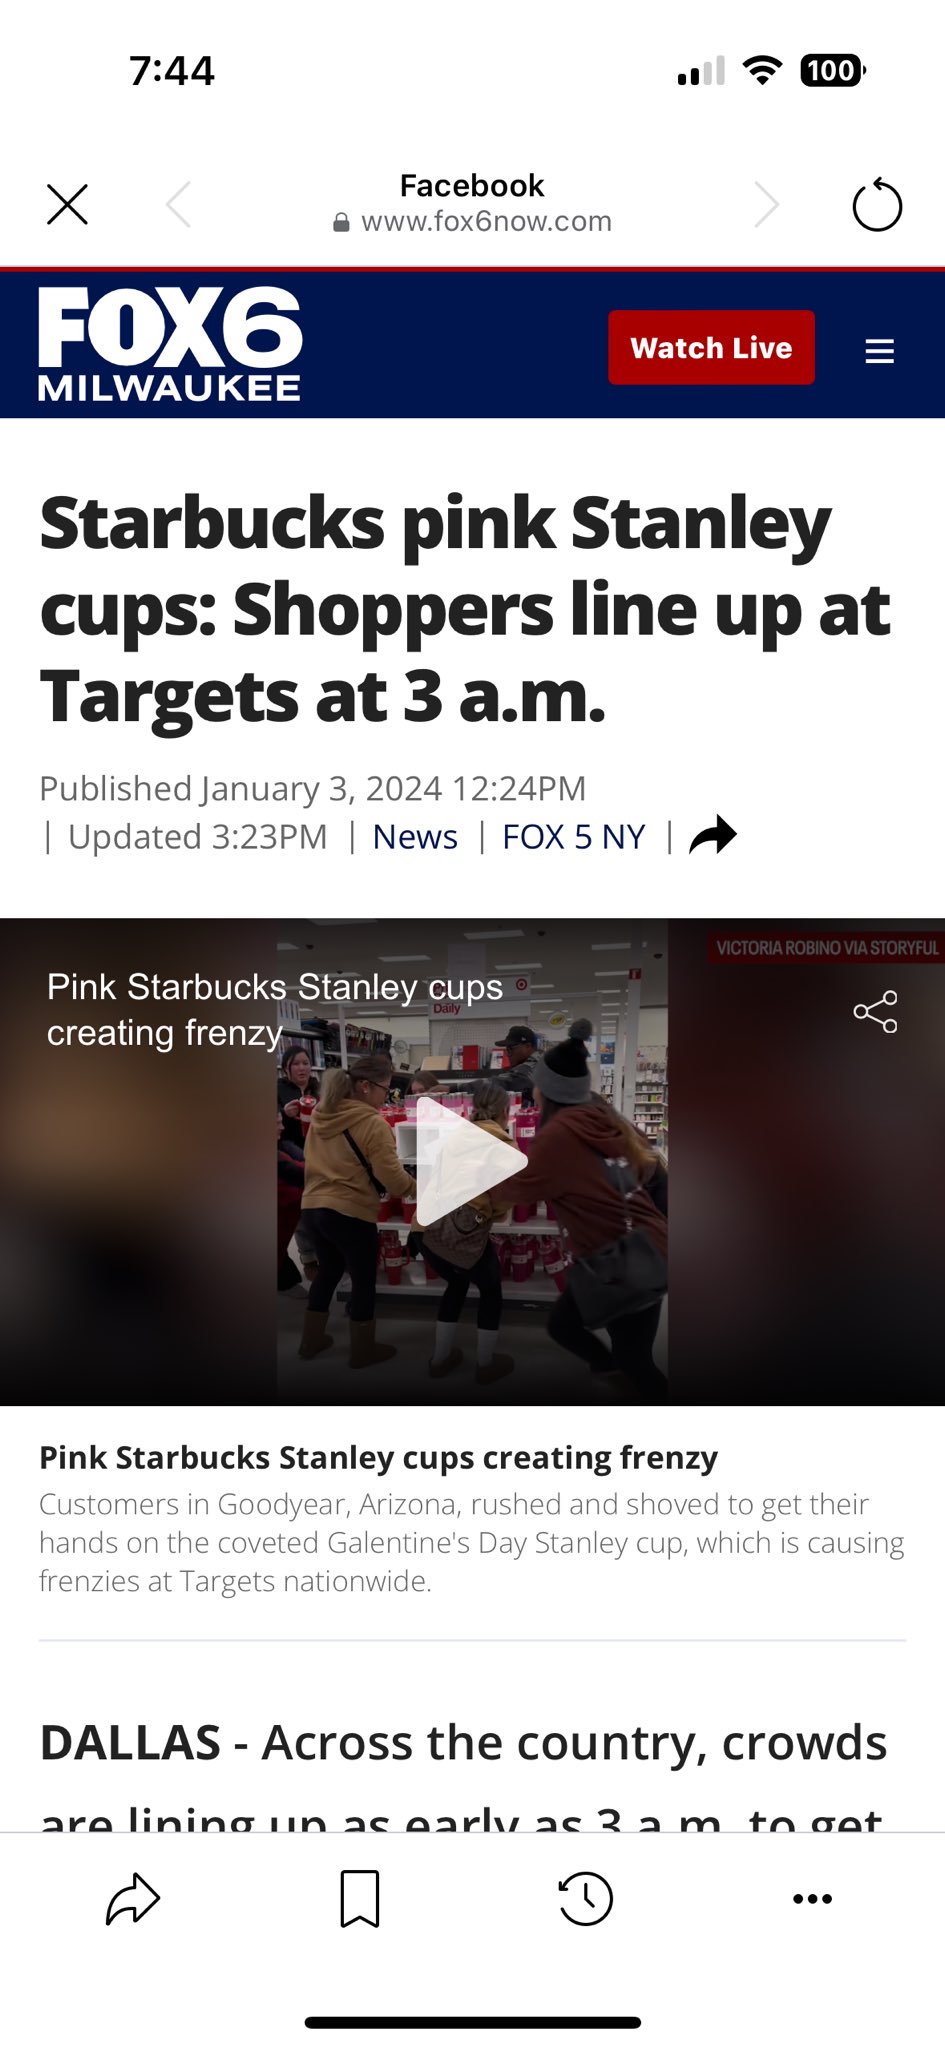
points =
(361, 1897)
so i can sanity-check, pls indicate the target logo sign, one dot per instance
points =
(522, 985)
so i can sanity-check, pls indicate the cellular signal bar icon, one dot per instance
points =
(703, 77)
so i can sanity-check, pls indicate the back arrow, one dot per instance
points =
(172, 208)
(136, 1899)
(721, 833)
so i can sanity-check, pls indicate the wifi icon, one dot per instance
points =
(762, 68)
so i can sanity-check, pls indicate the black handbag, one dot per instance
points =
(620, 1279)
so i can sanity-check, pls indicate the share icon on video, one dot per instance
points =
(887, 1001)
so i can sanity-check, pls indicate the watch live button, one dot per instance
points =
(667, 347)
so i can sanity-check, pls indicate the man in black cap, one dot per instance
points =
(522, 1047)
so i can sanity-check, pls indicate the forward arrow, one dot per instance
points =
(769, 210)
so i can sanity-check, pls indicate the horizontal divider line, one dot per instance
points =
(484, 2020)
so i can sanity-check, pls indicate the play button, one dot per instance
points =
(456, 1161)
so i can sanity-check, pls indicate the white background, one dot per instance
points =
(814, 754)
(576, 1657)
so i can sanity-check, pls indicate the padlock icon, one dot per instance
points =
(342, 224)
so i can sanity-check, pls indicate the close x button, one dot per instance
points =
(668, 347)
(66, 205)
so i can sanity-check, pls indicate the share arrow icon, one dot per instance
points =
(136, 1899)
(718, 835)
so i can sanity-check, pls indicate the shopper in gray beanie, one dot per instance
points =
(561, 1074)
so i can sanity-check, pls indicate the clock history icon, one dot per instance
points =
(589, 1898)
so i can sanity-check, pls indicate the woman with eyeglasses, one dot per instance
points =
(350, 1164)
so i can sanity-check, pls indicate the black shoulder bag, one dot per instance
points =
(620, 1279)
(359, 1155)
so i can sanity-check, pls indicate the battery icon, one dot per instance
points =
(827, 68)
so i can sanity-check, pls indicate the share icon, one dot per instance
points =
(886, 1001)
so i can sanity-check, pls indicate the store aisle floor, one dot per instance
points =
(544, 1375)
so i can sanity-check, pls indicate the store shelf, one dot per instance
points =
(405, 1137)
(455, 1078)
(537, 1226)
(651, 1097)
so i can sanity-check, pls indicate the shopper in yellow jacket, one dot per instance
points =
(350, 1163)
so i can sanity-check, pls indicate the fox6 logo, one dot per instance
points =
(127, 326)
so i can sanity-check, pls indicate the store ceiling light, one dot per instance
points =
(602, 973)
(614, 946)
(392, 959)
(543, 984)
(507, 932)
(516, 966)
(287, 946)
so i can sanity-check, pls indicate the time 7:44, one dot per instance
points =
(174, 70)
